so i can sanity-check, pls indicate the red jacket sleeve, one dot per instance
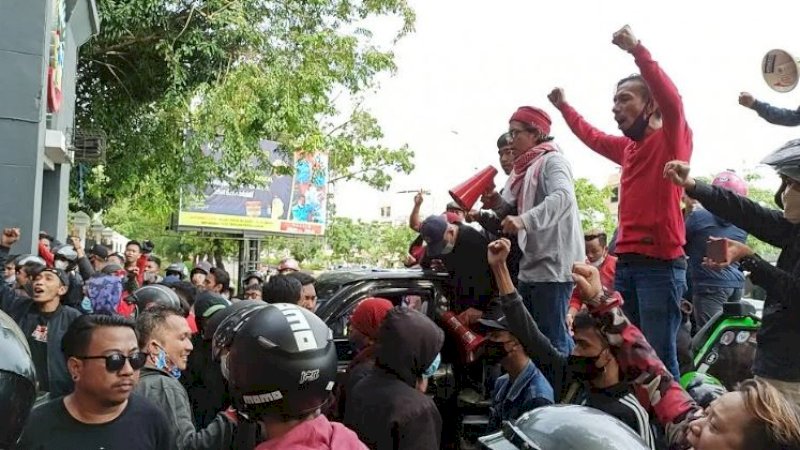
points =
(639, 364)
(669, 101)
(46, 255)
(612, 147)
(141, 264)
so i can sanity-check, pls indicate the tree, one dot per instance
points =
(185, 90)
(593, 207)
(765, 198)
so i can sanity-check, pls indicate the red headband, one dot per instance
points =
(533, 116)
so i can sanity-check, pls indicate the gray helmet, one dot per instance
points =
(564, 427)
(178, 269)
(17, 381)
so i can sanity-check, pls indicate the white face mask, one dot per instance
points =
(599, 261)
(791, 205)
(61, 264)
(11, 280)
(448, 247)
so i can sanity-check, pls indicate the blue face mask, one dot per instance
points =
(433, 367)
(163, 363)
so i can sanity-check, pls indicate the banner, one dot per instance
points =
(287, 204)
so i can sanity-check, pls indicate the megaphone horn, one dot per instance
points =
(468, 192)
(780, 70)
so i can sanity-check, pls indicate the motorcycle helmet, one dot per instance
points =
(17, 381)
(785, 161)
(177, 269)
(154, 294)
(731, 181)
(702, 387)
(224, 324)
(282, 363)
(21, 260)
(68, 257)
(564, 427)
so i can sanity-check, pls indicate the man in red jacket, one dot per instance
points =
(596, 255)
(651, 271)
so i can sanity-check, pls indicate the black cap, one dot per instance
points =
(99, 250)
(62, 276)
(494, 320)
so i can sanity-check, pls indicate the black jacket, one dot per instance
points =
(24, 311)
(204, 383)
(385, 408)
(618, 401)
(776, 356)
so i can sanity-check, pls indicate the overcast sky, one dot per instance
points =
(470, 64)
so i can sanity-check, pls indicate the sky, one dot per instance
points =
(470, 64)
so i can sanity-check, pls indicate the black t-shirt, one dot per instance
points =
(37, 340)
(472, 282)
(141, 426)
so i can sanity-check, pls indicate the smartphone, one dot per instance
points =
(717, 250)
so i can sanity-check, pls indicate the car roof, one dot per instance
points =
(342, 277)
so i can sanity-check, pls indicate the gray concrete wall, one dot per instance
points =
(24, 42)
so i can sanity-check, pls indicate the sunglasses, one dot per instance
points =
(116, 361)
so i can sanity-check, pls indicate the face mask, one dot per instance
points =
(448, 247)
(599, 262)
(61, 264)
(163, 362)
(86, 305)
(791, 205)
(494, 352)
(11, 280)
(433, 367)
(639, 127)
(584, 368)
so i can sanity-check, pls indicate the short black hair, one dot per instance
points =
(136, 243)
(253, 287)
(584, 321)
(282, 289)
(222, 277)
(154, 258)
(79, 333)
(304, 278)
(152, 318)
(600, 235)
(504, 140)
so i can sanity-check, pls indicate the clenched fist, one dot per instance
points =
(625, 39)
(556, 97)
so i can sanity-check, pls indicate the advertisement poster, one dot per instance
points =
(287, 204)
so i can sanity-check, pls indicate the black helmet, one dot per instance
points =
(223, 325)
(253, 274)
(177, 268)
(564, 427)
(17, 381)
(153, 294)
(282, 362)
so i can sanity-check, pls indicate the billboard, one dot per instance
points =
(289, 204)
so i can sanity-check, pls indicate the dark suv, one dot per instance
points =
(339, 292)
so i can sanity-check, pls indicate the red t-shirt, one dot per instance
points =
(650, 219)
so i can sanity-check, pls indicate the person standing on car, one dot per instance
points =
(776, 360)
(388, 408)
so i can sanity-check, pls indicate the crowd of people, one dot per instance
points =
(102, 350)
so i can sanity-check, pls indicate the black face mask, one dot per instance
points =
(637, 130)
(494, 352)
(584, 368)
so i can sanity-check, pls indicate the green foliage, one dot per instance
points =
(165, 79)
(593, 207)
(765, 198)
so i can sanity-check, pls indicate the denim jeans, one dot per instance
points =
(708, 300)
(652, 292)
(548, 303)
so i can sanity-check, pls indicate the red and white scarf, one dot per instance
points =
(531, 158)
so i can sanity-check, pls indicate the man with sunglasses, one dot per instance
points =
(165, 336)
(104, 361)
(42, 318)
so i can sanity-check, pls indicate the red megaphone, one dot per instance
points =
(468, 341)
(468, 192)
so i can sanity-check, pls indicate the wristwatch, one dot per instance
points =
(603, 297)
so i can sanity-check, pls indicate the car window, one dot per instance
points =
(419, 301)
